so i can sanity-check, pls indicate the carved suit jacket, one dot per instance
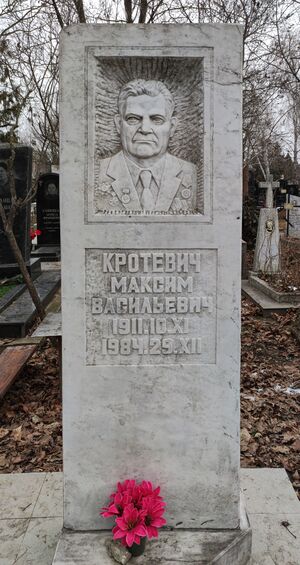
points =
(115, 190)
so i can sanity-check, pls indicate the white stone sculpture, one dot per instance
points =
(144, 176)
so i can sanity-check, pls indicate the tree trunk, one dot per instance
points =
(295, 148)
(143, 11)
(24, 271)
(128, 11)
(58, 14)
(80, 11)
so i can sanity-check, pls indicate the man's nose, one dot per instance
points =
(145, 125)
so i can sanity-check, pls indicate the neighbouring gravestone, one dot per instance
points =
(293, 216)
(22, 173)
(48, 217)
(267, 255)
(151, 256)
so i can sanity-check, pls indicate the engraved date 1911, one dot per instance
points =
(151, 346)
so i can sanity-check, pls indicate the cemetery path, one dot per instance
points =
(30, 413)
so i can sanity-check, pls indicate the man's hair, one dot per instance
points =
(150, 87)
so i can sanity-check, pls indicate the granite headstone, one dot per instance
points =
(22, 168)
(48, 218)
(47, 209)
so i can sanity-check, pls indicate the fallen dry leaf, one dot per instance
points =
(17, 433)
(296, 445)
(3, 433)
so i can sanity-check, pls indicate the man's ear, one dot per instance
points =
(117, 120)
(173, 126)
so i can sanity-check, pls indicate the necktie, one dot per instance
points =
(147, 200)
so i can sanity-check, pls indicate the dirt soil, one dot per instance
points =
(270, 392)
(30, 417)
(30, 413)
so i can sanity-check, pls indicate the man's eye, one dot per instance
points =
(159, 120)
(131, 120)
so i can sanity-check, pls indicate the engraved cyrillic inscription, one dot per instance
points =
(150, 307)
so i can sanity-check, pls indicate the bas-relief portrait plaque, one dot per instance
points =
(146, 136)
(150, 306)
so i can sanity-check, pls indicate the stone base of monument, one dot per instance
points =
(47, 252)
(263, 286)
(201, 547)
(267, 298)
(8, 270)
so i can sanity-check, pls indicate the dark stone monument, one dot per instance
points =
(48, 220)
(22, 169)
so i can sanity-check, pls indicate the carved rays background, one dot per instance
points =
(183, 77)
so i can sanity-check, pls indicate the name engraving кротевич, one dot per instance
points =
(150, 307)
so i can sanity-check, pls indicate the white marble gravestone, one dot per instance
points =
(294, 217)
(151, 224)
(267, 252)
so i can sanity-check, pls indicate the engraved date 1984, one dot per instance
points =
(151, 346)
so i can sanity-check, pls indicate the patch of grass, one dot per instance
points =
(6, 288)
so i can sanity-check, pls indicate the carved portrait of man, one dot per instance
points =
(144, 176)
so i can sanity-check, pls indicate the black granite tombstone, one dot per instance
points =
(48, 220)
(22, 169)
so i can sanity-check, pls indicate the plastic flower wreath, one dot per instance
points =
(138, 511)
(34, 233)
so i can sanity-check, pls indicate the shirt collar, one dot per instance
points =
(156, 170)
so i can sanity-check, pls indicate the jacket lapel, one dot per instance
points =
(170, 183)
(122, 183)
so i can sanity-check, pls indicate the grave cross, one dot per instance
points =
(269, 185)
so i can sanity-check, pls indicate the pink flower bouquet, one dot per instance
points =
(138, 511)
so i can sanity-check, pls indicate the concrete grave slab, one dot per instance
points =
(271, 537)
(278, 496)
(50, 326)
(39, 542)
(19, 493)
(265, 302)
(254, 482)
(49, 503)
(12, 533)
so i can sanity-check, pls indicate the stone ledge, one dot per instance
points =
(186, 547)
(286, 297)
(267, 304)
(18, 316)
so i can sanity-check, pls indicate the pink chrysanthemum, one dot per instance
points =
(137, 510)
(153, 511)
(116, 508)
(130, 526)
(126, 486)
(146, 488)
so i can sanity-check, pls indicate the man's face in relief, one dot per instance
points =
(145, 126)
